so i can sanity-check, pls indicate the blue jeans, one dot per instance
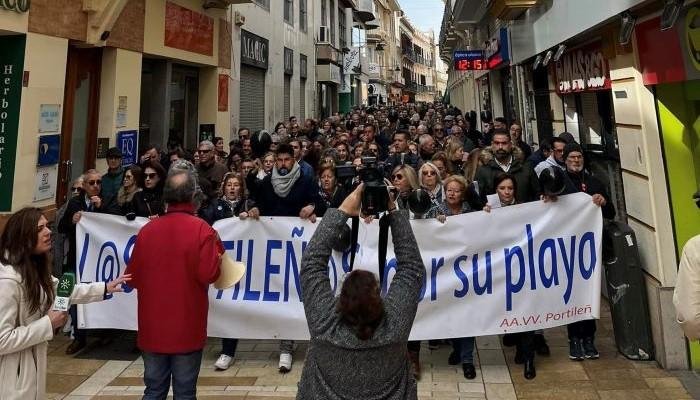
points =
(183, 369)
(465, 348)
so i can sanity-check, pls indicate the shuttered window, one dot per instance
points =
(287, 95)
(252, 102)
(302, 100)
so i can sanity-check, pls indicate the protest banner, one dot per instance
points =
(518, 268)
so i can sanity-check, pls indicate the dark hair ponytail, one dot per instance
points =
(360, 304)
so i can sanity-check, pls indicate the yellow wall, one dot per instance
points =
(121, 76)
(154, 32)
(45, 59)
(11, 21)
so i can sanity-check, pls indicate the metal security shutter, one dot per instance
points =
(287, 95)
(302, 99)
(252, 109)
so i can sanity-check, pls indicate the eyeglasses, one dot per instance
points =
(203, 151)
(396, 176)
(128, 177)
(152, 175)
(76, 189)
(95, 182)
(428, 173)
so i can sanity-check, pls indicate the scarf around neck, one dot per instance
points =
(282, 184)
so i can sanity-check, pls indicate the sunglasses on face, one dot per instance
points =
(152, 175)
(203, 151)
(75, 189)
(428, 173)
(95, 182)
(397, 176)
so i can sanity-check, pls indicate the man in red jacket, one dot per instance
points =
(174, 260)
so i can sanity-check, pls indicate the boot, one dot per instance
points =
(541, 347)
(529, 369)
(414, 357)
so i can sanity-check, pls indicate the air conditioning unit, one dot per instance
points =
(238, 19)
(324, 34)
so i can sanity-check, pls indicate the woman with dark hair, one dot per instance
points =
(358, 340)
(27, 294)
(131, 183)
(149, 201)
(506, 188)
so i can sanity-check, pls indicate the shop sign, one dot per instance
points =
(45, 182)
(288, 61)
(128, 143)
(583, 69)
(49, 117)
(303, 66)
(469, 60)
(188, 30)
(122, 112)
(254, 50)
(11, 70)
(672, 55)
(20, 6)
(496, 50)
(49, 149)
(223, 93)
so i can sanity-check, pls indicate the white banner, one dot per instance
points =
(519, 268)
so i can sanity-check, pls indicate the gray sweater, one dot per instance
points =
(338, 364)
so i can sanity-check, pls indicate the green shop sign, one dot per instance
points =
(11, 69)
(20, 6)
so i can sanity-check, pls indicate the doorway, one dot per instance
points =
(80, 117)
(184, 106)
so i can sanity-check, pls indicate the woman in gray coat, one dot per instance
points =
(358, 341)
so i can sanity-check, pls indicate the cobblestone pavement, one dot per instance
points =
(254, 374)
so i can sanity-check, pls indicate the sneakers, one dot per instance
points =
(285, 364)
(576, 349)
(223, 362)
(589, 350)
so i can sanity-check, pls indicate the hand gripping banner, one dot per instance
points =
(518, 268)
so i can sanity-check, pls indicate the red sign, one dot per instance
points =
(660, 53)
(188, 30)
(583, 69)
(470, 65)
(223, 92)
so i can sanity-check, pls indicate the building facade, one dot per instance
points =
(273, 57)
(625, 89)
(86, 76)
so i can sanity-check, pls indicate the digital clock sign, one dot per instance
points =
(470, 60)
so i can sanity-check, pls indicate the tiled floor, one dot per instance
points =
(254, 374)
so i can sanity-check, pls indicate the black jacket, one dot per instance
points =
(528, 185)
(67, 227)
(332, 201)
(304, 192)
(587, 183)
(148, 202)
(220, 209)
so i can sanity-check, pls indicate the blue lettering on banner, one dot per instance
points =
(462, 278)
(436, 265)
(487, 288)
(250, 294)
(271, 269)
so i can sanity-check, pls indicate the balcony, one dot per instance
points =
(377, 35)
(509, 10)
(326, 53)
(411, 87)
(409, 55)
(425, 89)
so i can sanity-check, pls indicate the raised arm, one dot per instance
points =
(402, 300)
(319, 304)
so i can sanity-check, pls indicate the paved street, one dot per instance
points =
(254, 374)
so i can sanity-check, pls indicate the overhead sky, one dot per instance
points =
(424, 14)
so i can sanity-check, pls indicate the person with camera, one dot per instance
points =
(358, 340)
(287, 192)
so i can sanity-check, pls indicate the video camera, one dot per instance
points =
(375, 196)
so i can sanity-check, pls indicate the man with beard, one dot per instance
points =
(528, 188)
(286, 192)
(555, 159)
(401, 154)
(581, 334)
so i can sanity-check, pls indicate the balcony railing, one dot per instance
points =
(425, 89)
(411, 87)
(409, 54)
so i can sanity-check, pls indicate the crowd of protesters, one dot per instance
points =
(295, 171)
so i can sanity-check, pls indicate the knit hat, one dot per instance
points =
(567, 137)
(572, 147)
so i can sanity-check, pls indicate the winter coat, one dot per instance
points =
(334, 200)
(24, 336)
(587, 183)
(111, 182)
(377, 368)
(549, 162)
(528, 184)
(148, 202)
(220, 209)
(686, 296)
(304, 192)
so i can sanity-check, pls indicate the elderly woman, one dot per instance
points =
(404, 179)
(440, 161)
(331, 195)
(27, 294)
(455, 203)
(429, 179)
(455, 156)
(358, 340)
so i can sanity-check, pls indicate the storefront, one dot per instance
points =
(670, 67)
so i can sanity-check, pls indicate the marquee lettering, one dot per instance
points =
(582, 70)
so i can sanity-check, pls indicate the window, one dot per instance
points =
(288, 10)
(302, 15)
(332, 24)
(342, 40)
(263, 3)
(324, 13)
